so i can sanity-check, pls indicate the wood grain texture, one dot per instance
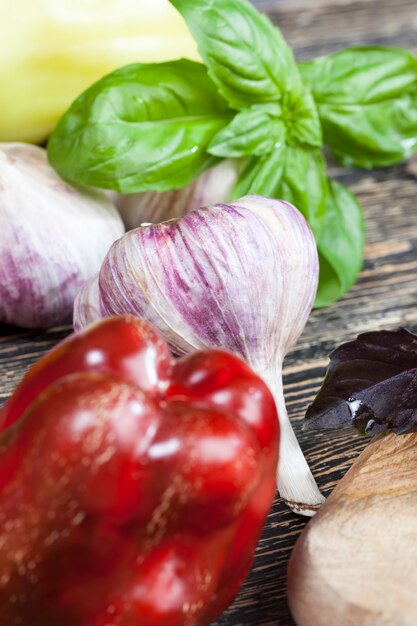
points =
(354, 565)
(385, 296)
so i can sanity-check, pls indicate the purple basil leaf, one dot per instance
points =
(370, 384)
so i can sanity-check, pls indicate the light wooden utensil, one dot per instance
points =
(355, 564)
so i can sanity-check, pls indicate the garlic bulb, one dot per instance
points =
(53, 238)
(213, 185)
(241, 277)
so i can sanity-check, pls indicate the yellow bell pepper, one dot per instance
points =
(51, 50)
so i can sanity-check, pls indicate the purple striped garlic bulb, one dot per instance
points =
(241, 277)
(53, 238)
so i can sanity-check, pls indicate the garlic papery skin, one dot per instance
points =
(241, 277)
(53, 238)
(213, 185)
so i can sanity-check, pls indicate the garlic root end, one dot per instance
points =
(296, 484)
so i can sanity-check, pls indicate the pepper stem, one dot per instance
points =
(296, 484)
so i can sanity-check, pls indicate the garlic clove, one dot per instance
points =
(87, 308)
(53, 238)
(242, 277)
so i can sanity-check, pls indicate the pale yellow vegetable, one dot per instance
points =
(51, 50)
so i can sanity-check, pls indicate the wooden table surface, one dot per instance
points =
(385, 296)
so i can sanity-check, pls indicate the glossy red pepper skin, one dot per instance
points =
(133, 488)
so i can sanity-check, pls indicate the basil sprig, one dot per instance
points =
(157, 127)
(369, 385)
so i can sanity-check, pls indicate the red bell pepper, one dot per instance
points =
(133, 488)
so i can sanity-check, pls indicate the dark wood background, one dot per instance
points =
(385, 296)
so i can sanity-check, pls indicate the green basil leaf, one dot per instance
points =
(374, 135)
(246, 56)
(367, 103)
(302, 120)
(141, 127)
(304, 184)
(360, 75)
(261, 175)
(340, 244)
(252, 132)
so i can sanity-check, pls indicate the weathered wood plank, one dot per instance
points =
(315, 27)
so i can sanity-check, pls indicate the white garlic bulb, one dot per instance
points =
(53, 237)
